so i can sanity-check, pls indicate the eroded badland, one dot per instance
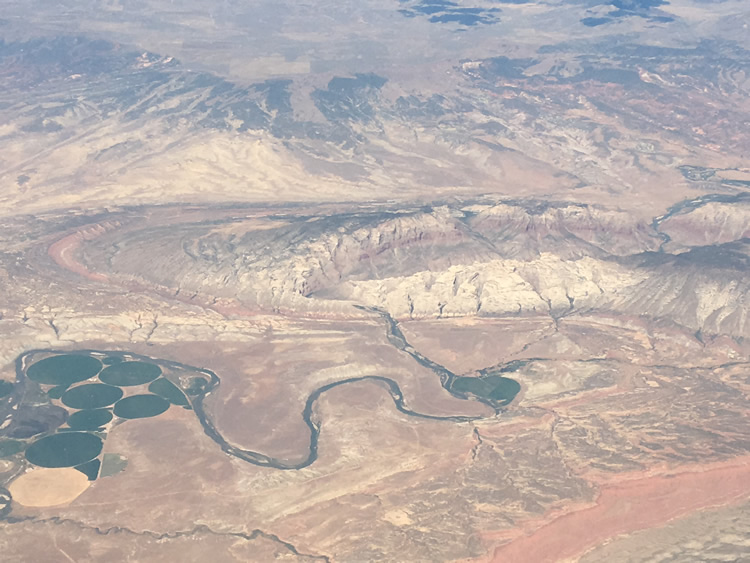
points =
(472, 299)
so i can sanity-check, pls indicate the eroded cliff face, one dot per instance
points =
(568, 230)
(712, 223)
(471, 259)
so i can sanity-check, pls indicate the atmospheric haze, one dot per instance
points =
(408, 280)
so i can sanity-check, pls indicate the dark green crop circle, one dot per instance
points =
(66, 449)
(141, 406)
(65, 369)
(89, 419)
(126, 374)
(494, 387)
(91, 396)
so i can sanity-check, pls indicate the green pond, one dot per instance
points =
(126, 374)
(141, 406)
(89, 419)
(169, 391)
(91, 396)
(64, 370)
(66, 449)
(493, 387)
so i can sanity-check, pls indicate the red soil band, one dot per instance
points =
(63, 253)
(623, 508)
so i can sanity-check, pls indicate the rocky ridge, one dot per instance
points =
(474, 259)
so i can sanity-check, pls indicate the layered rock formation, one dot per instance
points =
(475, 259)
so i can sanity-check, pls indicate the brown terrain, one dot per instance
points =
(471, 278)
(588, 417)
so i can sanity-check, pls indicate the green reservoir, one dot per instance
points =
(141, 406)
(493, 387)
(64, 370)
(66, 449)
(126, 374)
(91, 396)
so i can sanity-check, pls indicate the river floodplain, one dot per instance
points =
(82, 396)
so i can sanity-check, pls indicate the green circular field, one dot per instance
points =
(493, 387)
(67, 449)
(141, 406)
(57, 392)
(126, 374)
(112, 360)
(89, 419)
(91, 396)
(65, 369)
(169, 391)
(90, 469)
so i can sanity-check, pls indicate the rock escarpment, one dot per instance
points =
(472, 259)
